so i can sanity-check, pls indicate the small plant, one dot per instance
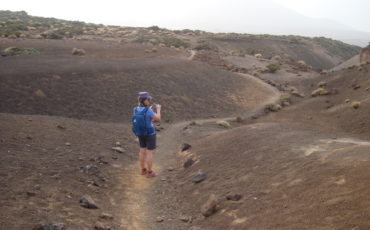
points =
(258, 55)
(321, 84)
(15, 50)
(319, 92)
(224, 124)
(285, 97)
(273, 67)
(272, 107)
(176, 42)
(155, 28)
(205, 45)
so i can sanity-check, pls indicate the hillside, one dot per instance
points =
(256, 133)
(318, 52)
(300, 168)
(102, 85)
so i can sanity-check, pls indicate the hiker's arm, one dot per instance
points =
(157, 115)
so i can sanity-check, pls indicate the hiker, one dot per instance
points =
(144, 129)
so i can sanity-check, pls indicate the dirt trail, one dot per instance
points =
(147, 197)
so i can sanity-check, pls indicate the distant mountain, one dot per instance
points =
(262, 17)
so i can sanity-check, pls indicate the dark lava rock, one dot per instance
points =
(185, 147)
(189, 162)
(50, 226)
(234, 197)
(106, 216)
(88, 202)
(210, 206)
(199, 177)
(90, 169)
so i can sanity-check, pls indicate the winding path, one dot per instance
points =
(144, 195)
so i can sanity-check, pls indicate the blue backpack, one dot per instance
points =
(139, 123)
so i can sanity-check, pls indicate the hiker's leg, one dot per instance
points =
(142, 155)
(149, 159)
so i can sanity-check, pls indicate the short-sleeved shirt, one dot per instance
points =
(148, 118)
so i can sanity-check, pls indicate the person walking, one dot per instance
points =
(142, 126)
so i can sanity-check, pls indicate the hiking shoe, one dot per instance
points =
(151, 174)
(144, 171)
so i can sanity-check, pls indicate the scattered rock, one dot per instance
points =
(347, 101)
(189, 162)
(355, 104)
(88, 202)
(40, 93)
(239, 119)
(186, 218)
(90, 169)
(193, 123)
(118, 149)
(118, 144)
(319, 92)
(194, 228)
(102, 226)
(61, 127)
(79, 52)
(106, 216)
(210, 206)
(234, 197)
(159, 219)
(50, 226)
(199, 177)
(355, 87)
(224, 124)
(29, 193)
(68, 144)
(185, 146)
(170, 169)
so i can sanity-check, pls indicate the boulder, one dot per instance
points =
(185, 146)
(118, 149)
(355, 104)
(234, 197)
(199, 177)
(88, 202)
(79, 52)
(90, 169)
(210, 207)
(189, 162)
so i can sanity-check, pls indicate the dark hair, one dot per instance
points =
(141, 100)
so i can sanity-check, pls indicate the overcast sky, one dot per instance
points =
(353, 13)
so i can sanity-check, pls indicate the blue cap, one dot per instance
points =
(143, 95)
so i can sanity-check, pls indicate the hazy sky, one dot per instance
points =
(353, 13)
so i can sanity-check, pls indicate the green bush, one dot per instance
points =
(155, 28)
(205, 45)
(15, 50)
(273, 67)
(176, 42)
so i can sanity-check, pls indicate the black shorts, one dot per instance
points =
(148, 142)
